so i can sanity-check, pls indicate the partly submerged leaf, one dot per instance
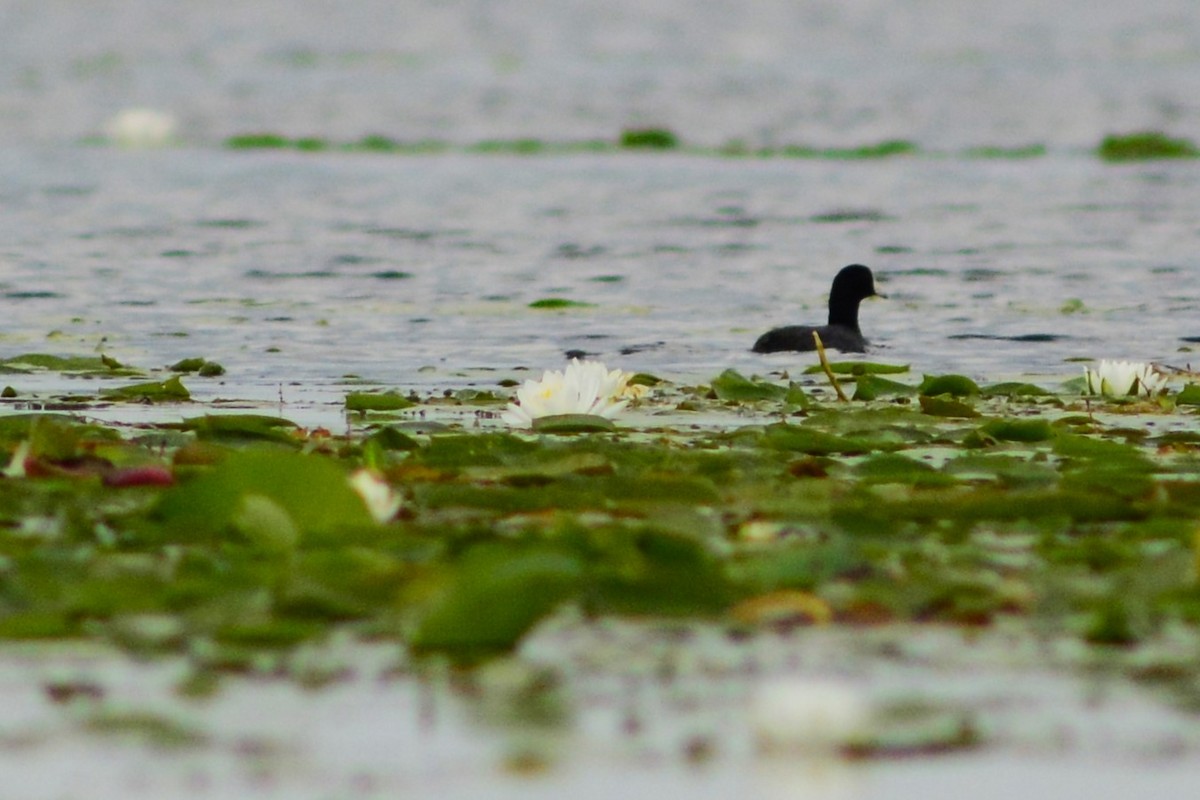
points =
(732, 385)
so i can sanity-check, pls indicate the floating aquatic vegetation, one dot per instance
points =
(559, 302)
(170, 390)
(583, 388)
(238, 538)
(1124, 379)
(732, 385)
(377, 401)
(1144, 146)
(202, 367)
(649, 139)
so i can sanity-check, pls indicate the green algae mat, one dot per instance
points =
(231, 539)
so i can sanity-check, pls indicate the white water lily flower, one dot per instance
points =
(377, 494)
(1124, 378)
(584, 387)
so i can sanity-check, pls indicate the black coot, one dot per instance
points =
(850, 286)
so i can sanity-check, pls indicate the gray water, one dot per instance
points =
(297, 270)
(415, 271)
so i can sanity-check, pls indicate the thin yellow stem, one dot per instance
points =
(837, 387)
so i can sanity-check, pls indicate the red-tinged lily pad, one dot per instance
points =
(573, 423)
(147, 475)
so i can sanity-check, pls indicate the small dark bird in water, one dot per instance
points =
(851, 285)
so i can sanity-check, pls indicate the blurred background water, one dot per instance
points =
(291, 266)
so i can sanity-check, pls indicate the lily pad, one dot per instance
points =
(312, 491)
(858, 368)
(559, 302)
(493, 596)
(372, 401)
(1014, 389)
(573, 423)
(896, 468)
(872, 387)
(953, 385)
(242, 427)
(170, 390)
(943, 407)
(732, 385)
(1017, 430)
(1189, 395)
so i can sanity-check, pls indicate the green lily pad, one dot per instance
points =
(242, 427)
(858, 368)
(374, 401)
(559, 302)
(896, 468)
(573, 423)
(1017, 430)
(732, 385)
(494, 595)
(953, 385)
(795, 438)
(1014, 389)
(58, 363)
(1188, 395)
(312, 491)
(392, 438)
(653, 572)
(187, 365)
(170, 390)
(872, 387)
(943, 407)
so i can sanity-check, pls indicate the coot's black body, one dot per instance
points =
(850, 287)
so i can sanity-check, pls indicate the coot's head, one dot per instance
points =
(851, 285)
(854, 281)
